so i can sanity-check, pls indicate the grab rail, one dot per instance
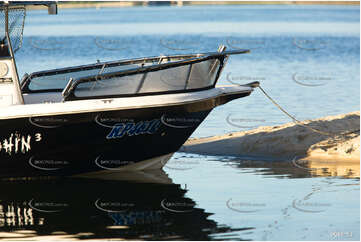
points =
(147, 69)
(25, 83)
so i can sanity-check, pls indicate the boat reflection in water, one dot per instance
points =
(104, 208)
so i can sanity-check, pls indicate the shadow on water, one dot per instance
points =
(106, 208)
(299, 168)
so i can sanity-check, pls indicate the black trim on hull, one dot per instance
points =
(69, 144)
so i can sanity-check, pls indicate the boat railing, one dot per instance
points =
(132, 77)
(55, 80)
(199, 72)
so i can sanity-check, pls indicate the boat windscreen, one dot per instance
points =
(58, 80)
(133, 76)
(182, 78)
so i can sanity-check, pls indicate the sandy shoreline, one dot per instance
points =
(288, 141)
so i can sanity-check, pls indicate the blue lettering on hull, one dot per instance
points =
(130, 129)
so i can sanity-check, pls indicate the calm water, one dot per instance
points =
(306, 57)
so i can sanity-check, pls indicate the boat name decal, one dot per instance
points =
(18, 143)
(130, 128)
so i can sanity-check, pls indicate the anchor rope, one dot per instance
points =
(299, 122)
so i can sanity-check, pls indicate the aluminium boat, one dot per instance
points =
(125, 115)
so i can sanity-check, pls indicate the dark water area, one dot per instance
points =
(93, 209)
